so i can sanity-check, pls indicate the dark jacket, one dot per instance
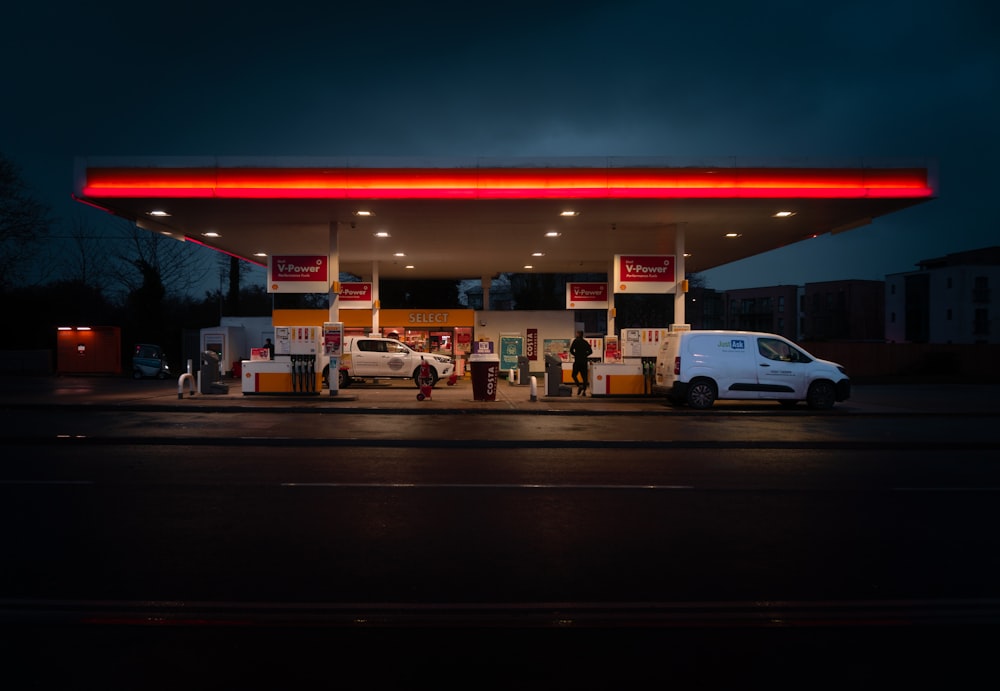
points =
(580, 349)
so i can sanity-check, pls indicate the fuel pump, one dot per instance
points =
(301, 345)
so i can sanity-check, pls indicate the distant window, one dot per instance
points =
(981, 289)
(981, 323)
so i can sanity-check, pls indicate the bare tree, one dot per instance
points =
(88, 257)
(150, 258)
(24, 225)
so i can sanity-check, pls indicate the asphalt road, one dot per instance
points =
(594, 542)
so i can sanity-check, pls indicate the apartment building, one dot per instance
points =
(946, 300)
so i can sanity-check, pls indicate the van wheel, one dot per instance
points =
(822, 395)
(343, 379)
(701, 394)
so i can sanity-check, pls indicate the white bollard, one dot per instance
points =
(534, 389)
(186, 377)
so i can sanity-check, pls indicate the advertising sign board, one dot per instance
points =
(356, 296)
(644, 273)
(586, 296)
(298, 274)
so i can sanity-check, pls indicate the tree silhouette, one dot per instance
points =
(24, 225)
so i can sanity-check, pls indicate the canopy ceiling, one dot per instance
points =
(470, 220)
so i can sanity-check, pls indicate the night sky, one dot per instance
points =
(809, 83)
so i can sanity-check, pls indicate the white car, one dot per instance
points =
(370, 357)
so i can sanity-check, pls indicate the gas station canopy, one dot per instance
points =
(474, 219)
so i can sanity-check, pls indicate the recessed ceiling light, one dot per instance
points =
(382, 234)
(211, 234)
(732, 235)
(410, 266)
(784, 214)
(538, 254)
(158, 213)
(569, 213)
(400, 254)
(528, 266)
(364, 212)
(260, 254)
(553, 234)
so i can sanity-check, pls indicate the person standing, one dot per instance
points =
(580, 350)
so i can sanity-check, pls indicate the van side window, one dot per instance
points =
(773, 349)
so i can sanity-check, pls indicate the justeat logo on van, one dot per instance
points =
(733, 344)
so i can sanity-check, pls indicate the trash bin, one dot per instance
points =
(485, 376)
(553, 374)
(209, 372)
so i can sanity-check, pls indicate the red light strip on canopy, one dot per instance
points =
(472, 183)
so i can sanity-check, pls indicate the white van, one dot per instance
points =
(698, 367)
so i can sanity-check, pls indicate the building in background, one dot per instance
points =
(705, 308)
(773, 309)
(850, 310)
(947, 300)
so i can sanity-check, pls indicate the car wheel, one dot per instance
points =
(136, 374)
(343, 379)
(701, 394)
(822, 395)
(416, 377)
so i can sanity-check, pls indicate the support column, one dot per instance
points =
(376, 300)
(485, 282)
(333, 265)
(679, 277)
(611, 298)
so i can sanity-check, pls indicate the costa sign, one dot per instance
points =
(298, 274)
(586, 296)
(644, 273)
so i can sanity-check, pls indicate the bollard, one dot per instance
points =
(534, 389)
(187, 376)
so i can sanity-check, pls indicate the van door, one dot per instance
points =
(781, 369)
(727, 358)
